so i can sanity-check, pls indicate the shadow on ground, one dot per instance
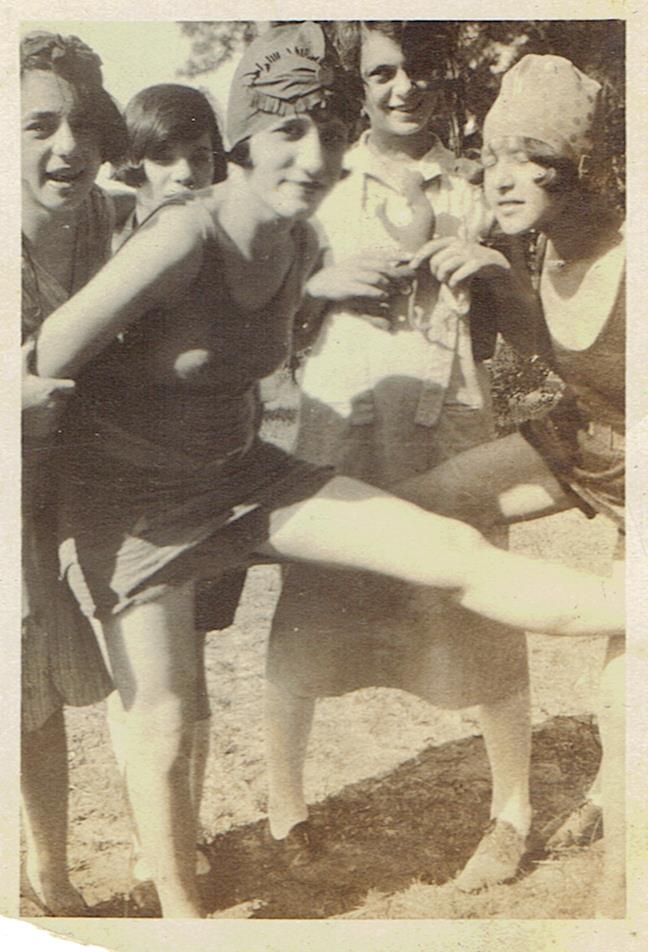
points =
(418, 824)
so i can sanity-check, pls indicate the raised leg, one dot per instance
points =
(153, 664)
(44, 787)
(356, 526)
(496, 483)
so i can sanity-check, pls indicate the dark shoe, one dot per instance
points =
(298, 849)
(496, 859)
(582, 827)
(143, 900)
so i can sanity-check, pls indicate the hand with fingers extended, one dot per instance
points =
(366, 283)
(455, 261)
(43, 398)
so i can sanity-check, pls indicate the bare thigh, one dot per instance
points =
(152, 653)
(500, 482)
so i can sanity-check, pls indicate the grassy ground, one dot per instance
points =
(400, 790)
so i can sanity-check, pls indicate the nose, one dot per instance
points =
(402, 84)
(312, 157)
(65, 142)
(182, 172)
(502, 176)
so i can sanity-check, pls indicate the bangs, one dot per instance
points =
(158, 117)
(559, 173)
(154, 122)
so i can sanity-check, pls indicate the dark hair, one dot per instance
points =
(77, 64)
(429, 51)
(428, 46)
(240, 154)
(166, 113)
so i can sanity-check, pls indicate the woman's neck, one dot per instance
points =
(42, 227)
(253, 227)
(401, 148)
(144, 206)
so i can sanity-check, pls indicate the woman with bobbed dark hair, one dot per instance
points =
(167, 345)
(542, 143)
(70, 125)
(174, 145)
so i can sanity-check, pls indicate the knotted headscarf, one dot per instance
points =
(549, 99)
(284, 72)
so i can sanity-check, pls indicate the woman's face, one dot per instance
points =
(513, 191)
(399, 99)
(60, 145)
(180, 166)
(295, 163)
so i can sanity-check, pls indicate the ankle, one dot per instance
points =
(280, 826)
(42, 873)
(519, 819)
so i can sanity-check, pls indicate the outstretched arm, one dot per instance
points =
(162, 258)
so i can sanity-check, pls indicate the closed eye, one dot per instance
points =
(381, 74)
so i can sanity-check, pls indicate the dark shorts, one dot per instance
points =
(121, 548)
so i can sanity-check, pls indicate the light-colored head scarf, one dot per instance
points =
(546, 98)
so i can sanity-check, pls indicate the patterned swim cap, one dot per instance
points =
(286, 71)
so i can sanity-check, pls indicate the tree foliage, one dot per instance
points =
(483, 50)
(213, 43)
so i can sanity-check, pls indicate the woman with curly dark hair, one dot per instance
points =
(70, 125)
(542, 138)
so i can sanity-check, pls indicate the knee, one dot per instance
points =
(448, 491)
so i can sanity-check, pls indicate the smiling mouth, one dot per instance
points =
(311, 188)
(64, 176)
(407, 110)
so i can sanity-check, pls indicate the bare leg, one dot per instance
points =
(200, 747)
(503, 481)
(198, 762)
(154, 668)
(44, 784)
(507, 732)
(611, 897)
(354, 525)
(506, 725)
(288, 720)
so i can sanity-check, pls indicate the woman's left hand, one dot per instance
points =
(454, 260)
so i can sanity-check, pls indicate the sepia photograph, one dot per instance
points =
(323, 417)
